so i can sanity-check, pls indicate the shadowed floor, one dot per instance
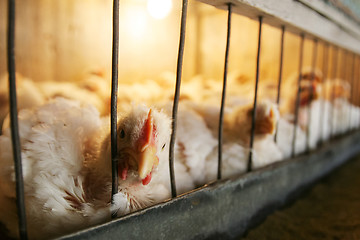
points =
(329, 210)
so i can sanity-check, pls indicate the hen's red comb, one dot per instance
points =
(147, 131)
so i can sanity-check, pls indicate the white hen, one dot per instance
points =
(236, 135)
(285, 135)
(67, 167)
(28, 95)
(56, 140)
(72, 91)
(194, 142)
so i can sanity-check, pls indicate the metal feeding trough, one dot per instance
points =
(227, 209)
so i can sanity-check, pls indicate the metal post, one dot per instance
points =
(332, 95)
(312, 76)
(344, 77)
(177, 95)
(297, 103)
(249, 165)
(325, 68)
(352, 84)
(221, 117)
(357, 85)
(20, 201)
(280, 75)
(114, 88)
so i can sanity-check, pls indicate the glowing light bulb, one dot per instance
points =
(159, 9)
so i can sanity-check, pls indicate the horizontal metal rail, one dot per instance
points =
(298, 18)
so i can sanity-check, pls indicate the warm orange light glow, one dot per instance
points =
(159, 9)
(136, 22)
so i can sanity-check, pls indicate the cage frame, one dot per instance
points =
(320, 161)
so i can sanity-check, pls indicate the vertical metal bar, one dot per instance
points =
(357, 88)
(249, 166)
(20, 201)
(223, 96)
(280, 75)
(114, 89)
(332, 95)
(356, 82)
(177, 95)
(343, 67)
(352, 85)
(323, 91)
(347, 64)
(297, 103)
(312, 76)
(347, 80)
(357, 85)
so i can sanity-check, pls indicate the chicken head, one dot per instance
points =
(143, 135)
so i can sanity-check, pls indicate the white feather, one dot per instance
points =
(54, 140)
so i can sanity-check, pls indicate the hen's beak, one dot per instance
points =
(273, 121)
(147, 159)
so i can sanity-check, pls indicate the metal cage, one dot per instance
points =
(226, 208)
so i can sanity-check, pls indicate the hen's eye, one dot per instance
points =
(122, 133)
(163, 146)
